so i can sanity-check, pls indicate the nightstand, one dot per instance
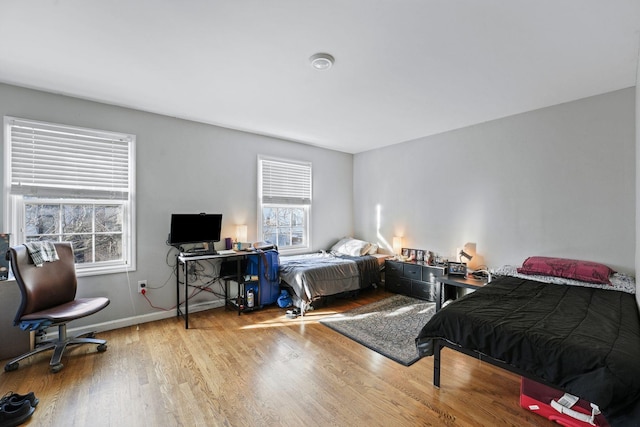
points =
(414, 279)
(458, 282)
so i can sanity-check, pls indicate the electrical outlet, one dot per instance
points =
(142, 286)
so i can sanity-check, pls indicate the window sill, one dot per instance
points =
(97, 271)
(296, 251)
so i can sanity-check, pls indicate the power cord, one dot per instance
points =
(198, 272)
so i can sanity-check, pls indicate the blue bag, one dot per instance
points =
(265, 265)
(284, 300)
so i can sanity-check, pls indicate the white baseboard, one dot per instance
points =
(130, 321)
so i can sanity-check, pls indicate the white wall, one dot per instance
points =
(559, 181)
(187, 167)
(556, 181)
(638, 180)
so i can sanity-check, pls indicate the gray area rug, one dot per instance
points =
(389, 326)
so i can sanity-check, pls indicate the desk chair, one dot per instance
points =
(49, 299)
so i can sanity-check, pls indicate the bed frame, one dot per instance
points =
(439, 344)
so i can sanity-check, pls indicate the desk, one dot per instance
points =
(457, 281)
(183, 261)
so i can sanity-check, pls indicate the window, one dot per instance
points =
(65, 183)
(284, 198)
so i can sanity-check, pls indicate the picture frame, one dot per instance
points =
(412, 254)
(405, 252)
(457, 268)
(420, 255)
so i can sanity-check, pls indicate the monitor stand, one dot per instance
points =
(207, 249)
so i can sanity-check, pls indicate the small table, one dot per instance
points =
(457, 281)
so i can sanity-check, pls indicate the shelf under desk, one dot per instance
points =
(183, 264)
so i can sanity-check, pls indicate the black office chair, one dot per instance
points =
(49, 299)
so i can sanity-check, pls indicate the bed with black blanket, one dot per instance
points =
(314, 276)
(583, 340)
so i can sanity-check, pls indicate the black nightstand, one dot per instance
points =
(415, 279)
(458, 282)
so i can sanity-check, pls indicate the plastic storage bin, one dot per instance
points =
(538, 398)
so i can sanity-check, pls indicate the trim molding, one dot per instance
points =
(131, 321)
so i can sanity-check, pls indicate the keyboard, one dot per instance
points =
(192, 254)
(226, 252)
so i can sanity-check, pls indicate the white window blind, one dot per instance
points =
(64, 161)
(285, 182)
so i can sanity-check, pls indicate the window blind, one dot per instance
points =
(53, 160)
(285, 183)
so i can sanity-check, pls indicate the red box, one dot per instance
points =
(537, 398)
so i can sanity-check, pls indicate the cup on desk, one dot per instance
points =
(227, 243)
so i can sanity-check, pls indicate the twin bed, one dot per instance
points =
(349, 266)
(581, 337)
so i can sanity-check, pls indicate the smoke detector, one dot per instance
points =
(321, 61)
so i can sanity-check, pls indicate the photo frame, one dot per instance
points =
(457, 268)
(412, 254)
(405, 252)
(420, 255)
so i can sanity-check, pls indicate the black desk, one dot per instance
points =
(183, 261)
(457, 281)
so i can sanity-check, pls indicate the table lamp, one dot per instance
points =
(241, 235)
(397, 245)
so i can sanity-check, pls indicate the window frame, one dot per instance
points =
(306, 210)
(15, 203)
(302, 200)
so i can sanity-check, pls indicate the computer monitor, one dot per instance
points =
(195, 228)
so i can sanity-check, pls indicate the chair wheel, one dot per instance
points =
(11, 367)
(57, 368)
(102, 347)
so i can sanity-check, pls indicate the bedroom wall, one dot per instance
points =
(185, 167)
(638, 180)
(558, 181)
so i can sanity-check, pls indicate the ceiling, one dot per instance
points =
(404, 69)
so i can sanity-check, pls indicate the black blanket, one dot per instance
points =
(585, 341)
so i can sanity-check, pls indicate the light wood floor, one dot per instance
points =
(261, 369)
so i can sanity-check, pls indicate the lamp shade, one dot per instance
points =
(241, 233)
(397, 245)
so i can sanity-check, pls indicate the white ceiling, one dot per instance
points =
(404, 69)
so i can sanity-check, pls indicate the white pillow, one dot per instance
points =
(373, 249)
(352, 247)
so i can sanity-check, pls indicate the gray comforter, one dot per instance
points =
(311, 276)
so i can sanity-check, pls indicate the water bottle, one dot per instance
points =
(250, 298)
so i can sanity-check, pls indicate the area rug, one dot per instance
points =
(389, 326)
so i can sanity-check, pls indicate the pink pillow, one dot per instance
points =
(585, 271)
